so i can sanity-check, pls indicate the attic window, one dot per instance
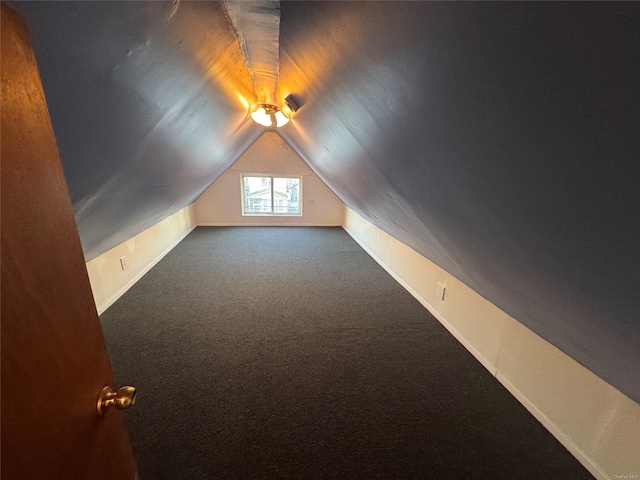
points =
(271, 195)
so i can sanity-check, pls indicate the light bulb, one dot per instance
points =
(262, 117)
(281, 119)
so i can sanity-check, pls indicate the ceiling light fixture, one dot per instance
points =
(266, 115)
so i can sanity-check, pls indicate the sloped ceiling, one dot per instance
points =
(149, 103)
(498, 139)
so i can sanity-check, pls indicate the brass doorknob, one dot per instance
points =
(120, 400)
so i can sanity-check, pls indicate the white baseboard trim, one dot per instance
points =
(103, 307)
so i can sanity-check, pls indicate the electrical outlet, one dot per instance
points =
(440, 291)
(123, 262)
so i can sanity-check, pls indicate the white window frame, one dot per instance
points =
(272, 213)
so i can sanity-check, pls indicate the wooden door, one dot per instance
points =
(54, 361)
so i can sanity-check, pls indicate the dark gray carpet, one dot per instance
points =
(289, 353)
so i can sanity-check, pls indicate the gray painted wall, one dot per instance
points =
(144, 104)
(500, 140)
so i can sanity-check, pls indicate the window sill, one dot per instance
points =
(271, 214)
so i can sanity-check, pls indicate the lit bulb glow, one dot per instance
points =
(262, 117)
(266, 115)
(281, 119)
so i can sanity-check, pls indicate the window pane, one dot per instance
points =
(257, 195)
(286, 195)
